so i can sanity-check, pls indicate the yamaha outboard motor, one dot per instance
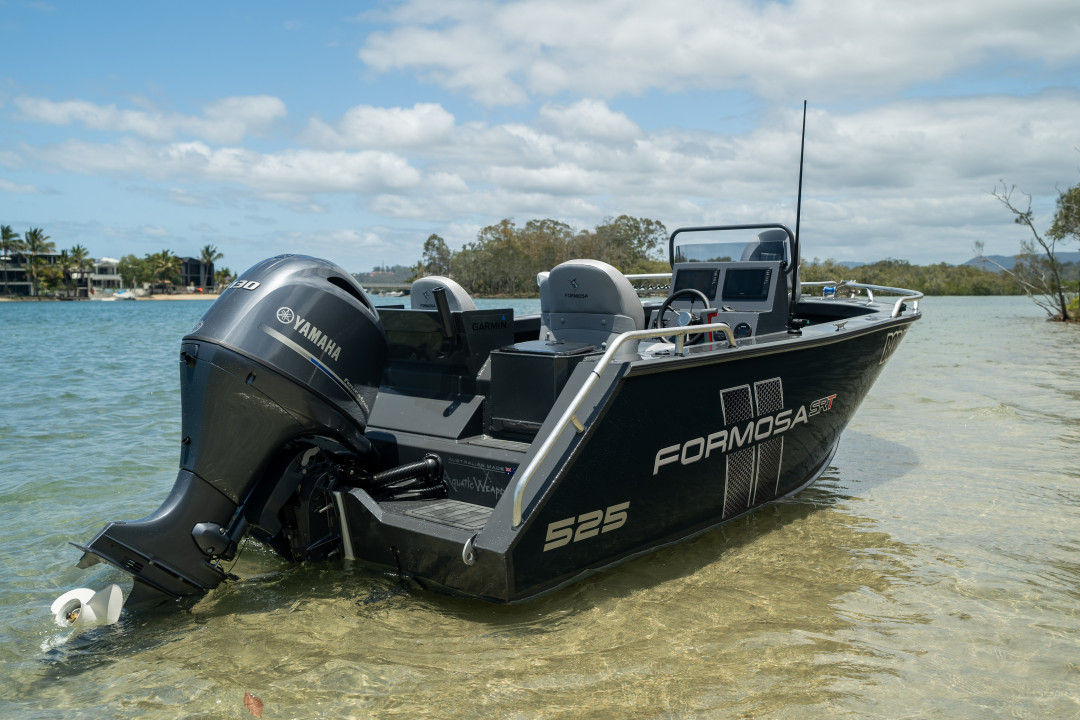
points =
(277, 382)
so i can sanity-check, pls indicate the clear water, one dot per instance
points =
(934, 571)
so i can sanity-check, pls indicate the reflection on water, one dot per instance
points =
(932, 572)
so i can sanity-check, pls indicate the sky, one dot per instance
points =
(353, 131)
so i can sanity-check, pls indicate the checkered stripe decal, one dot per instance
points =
(738, 489)
(752, 474)
(770, 400)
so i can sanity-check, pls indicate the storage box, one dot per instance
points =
(526, 378)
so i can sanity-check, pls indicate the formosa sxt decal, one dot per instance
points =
(751, 441)
(754, 420)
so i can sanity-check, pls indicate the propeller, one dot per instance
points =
(82, 607)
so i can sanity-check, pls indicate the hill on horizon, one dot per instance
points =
(1007, 261)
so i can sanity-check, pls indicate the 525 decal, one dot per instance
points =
(892, 341)
(585, 526)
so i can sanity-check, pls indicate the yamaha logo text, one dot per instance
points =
(303, 326)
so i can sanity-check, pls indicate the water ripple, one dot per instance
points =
(932, 572)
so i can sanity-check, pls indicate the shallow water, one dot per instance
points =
(934, 571)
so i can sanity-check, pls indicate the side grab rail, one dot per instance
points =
(569, 417)
(913, 296)
(645, 283)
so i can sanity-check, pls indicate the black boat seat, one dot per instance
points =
(588, 301)
(422, 298)
(770, 245)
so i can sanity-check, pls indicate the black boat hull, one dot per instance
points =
(671, 449)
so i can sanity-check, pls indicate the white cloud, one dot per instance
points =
(908, 179)
(504, 53)
(227, 120)
(364, 126)
(184, 196)
(464, 57)
(293, 172)
(18, 188)
(230, 119)
(154, 231)
(352, 249)
(590, 119)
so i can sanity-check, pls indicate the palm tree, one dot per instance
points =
(164, 265)
(37, 243)
(81, 258)
(10, 243)
(66, 265)
(133, 270)
(207, 258)
(49, 275)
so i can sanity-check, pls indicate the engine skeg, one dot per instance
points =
(158, 550)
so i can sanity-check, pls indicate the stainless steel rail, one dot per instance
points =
(653, 287)
(913, 296)
(569, 417)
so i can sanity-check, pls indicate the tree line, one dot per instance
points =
(163, 268)
(505, 258)
(939, 279)
(73, 265)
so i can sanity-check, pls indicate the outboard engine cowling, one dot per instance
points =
(291, 351)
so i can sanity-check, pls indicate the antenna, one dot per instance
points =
(793, 328)
(798, 202)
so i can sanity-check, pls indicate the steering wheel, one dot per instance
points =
(695, 293)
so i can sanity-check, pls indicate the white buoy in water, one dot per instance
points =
(83, 606)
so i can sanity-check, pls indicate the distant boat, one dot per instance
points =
(119, 295)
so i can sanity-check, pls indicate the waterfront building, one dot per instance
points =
(14, 277)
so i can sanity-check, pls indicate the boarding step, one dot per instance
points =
(457, 514)
(497, 443)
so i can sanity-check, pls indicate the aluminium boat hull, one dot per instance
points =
(500, 457)
(673, 446)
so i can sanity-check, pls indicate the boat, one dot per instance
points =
(497, 456)
(116, 295)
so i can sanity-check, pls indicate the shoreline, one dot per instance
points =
(185, 296)
(178, 296)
